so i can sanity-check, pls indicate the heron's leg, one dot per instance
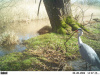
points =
(86, 65)
(90, 67)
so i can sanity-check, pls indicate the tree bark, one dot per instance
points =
(55, 10)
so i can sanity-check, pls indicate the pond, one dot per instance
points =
(24, 31)
(80, 65)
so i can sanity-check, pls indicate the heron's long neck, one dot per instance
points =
(79, 40)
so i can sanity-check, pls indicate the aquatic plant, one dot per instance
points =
(8, 38)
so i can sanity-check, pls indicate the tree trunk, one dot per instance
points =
(55, 10)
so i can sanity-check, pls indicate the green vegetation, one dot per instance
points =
(45, 52)
(51, 40)
(93, 38)
(49, 52)
(94, 28)
(69, 25)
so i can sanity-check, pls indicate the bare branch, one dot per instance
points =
(35, 1)
(39, 7)
(89, 20)
(68, 40)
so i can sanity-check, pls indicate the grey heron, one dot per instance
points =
(87, 53)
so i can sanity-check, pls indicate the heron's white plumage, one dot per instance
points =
(87, 53)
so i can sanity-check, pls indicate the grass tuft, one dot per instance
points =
(8, 38)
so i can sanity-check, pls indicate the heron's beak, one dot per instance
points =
(76, 30)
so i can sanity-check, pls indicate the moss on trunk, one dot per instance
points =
(68, 24)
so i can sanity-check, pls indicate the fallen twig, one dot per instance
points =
(67, 40)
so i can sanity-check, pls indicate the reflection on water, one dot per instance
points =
(27, 36)
(10, 49)
(80, 65)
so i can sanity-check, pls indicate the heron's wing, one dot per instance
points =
(88, 53)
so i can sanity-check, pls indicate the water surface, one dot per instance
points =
(24, 30)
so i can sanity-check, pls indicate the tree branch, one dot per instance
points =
(39, 7)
